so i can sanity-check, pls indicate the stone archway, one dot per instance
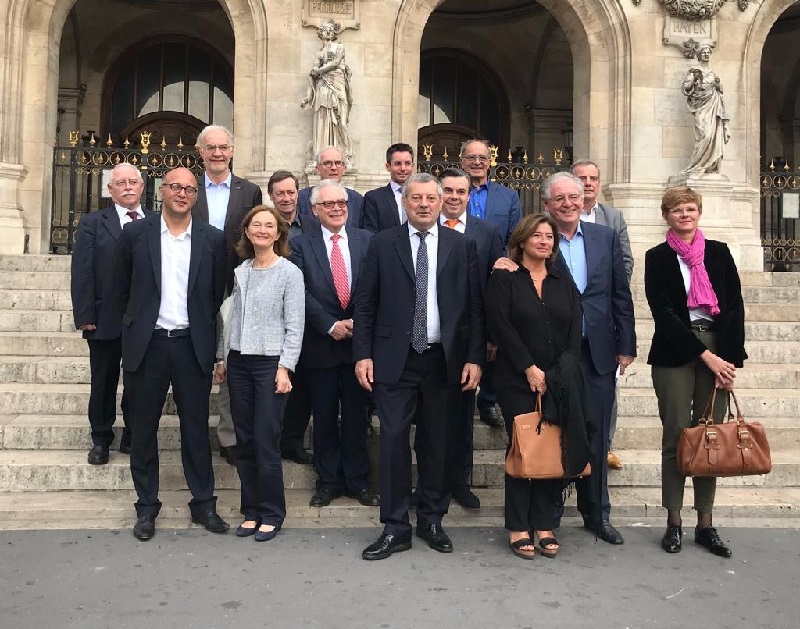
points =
(28, 102)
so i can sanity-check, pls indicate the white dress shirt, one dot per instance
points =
(461, 227)
(398, 198)
(590, 216)
(217, 196)
(124, 217)
(432, 244)
(176, 252)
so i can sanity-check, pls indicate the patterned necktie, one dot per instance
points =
(134, 215)
(451, 223)
(339, 271)
(419, 329)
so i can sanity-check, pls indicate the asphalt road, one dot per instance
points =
(315, 578)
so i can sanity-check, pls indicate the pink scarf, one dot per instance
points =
(701, 293)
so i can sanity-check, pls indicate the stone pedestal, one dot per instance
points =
(12, 228)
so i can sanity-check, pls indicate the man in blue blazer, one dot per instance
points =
(91, 289)
(593, 256)
(500, 206)
(383, 207)
(418, 339)
(331, 164)
(331, 257)
(169, 281)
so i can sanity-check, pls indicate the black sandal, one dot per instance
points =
(517, 548)
(544, 542)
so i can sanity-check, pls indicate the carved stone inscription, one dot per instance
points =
(678, 30)
(343, 12)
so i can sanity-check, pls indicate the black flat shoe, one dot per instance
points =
(436, 537)
(145, 527)
(229, 454)
(300, 455)
(243, 531)
(709, 538)
(491, 417)
(265, 536)
(385, 546)
(671, 542)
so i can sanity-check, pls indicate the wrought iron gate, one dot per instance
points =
(780, 213)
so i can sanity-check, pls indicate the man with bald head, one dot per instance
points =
(331, 164)
(169, 282)
(92, 261)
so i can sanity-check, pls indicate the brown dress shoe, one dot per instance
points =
(613, 460)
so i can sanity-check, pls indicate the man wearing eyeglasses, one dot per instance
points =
(169, 281)
(331, 164)
(223, 200)
(91, 286)
(383, 207)
(497, 204)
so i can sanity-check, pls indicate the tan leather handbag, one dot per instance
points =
(535, 451)
(732, 448)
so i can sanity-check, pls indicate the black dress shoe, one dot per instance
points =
(491, 417)
(323, 497)
(671, 542)
(436, 537)
(385, 546)
(609, 534)
(229, 454)
(145, 527)
(365, 497)
(125, 448)
(413, 502)
(464, 496)
(709, 538)
(211, 520)
(98, 455)
(300, 455)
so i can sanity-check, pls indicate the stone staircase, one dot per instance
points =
(45, 481)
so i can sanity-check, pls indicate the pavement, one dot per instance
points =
(315, 578)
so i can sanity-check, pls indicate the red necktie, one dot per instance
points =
(451, 223)
(339, 271)
(134, 215)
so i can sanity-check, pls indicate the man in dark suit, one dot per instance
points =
(331, 164)
(331, 257)
(383, 207)
(500, 206)
(593, 256)
(169, 281)
(418, 339)
(91, 286)
(223, 200)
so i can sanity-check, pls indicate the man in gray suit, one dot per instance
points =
(593, 212)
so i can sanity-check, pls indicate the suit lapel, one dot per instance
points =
(403, 246)
(355, 246)
(591, 249)
(200, 209)
(233, 198)
(154, 245)
(490, 200)
(111, 222)
(445, 247)
(321, 254)
(198, 240)
(392, 203)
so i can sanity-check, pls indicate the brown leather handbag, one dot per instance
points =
(732, 448)
(535, 451)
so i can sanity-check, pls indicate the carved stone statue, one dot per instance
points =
(697, 9)
(703, 91)
(329, 94)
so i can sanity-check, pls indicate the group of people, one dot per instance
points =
(422, 300)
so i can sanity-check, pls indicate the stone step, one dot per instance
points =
(754, 312)
(753, 331)
(19, 299)
(36, 280)
(755, 403)
(769, 352)
(750, 294)
(751, 376)
(114, 509)
(35, 263)
(36, 321)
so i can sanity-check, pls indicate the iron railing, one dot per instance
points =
(780, 213)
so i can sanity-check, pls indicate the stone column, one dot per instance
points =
(12, 230)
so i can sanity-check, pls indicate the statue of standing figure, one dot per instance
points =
(703, 91)
(329, 93)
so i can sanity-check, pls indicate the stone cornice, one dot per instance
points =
(486, 18)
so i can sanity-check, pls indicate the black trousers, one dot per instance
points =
(298, 412)
(104, 359)
(170, 361)
(340, 451)
(423, 382)
(530, 505)
(593, 501)
(486, 394)
(257, 410)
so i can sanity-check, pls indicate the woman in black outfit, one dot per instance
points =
(534, 314)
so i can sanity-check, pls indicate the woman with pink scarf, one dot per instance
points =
(695, 295)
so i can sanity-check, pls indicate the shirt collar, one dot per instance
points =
(461, 219)
(396, 187)
(483, 186)
(327, 233)
(577, 231)
(124, 212)
(594, 209)
(188, 231)
(434, 231)
(211, 184)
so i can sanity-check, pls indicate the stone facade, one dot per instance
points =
(601, 63)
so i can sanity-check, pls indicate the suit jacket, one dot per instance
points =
(380, 209)
(674, 344)
(137, 288)
(488, 244)
(502, 209)
(613, 218)
(384, 306)
(245, 195)
(355, 206)
(320, 350)
(92, 273)
(606, 302)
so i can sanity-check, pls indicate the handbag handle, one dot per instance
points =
(707, 417)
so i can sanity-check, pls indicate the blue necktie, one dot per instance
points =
(419, 329)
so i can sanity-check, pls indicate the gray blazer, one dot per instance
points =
(613, 218)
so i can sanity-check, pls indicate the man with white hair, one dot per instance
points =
(92, 265)
(331, 164)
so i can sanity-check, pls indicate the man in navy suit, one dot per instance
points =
(383, 207)
(331, 257)
(500, 206)
(418, 339)
(593, 256)
(331, 164)
(169, 281)
(223, 200)
(91, 285)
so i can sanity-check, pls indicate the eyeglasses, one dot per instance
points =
(176, 188)
(677, 211)
(329, 205)
(561, 199)
(476, 158)
(331, 164)
(213, 148)
(127, 183)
